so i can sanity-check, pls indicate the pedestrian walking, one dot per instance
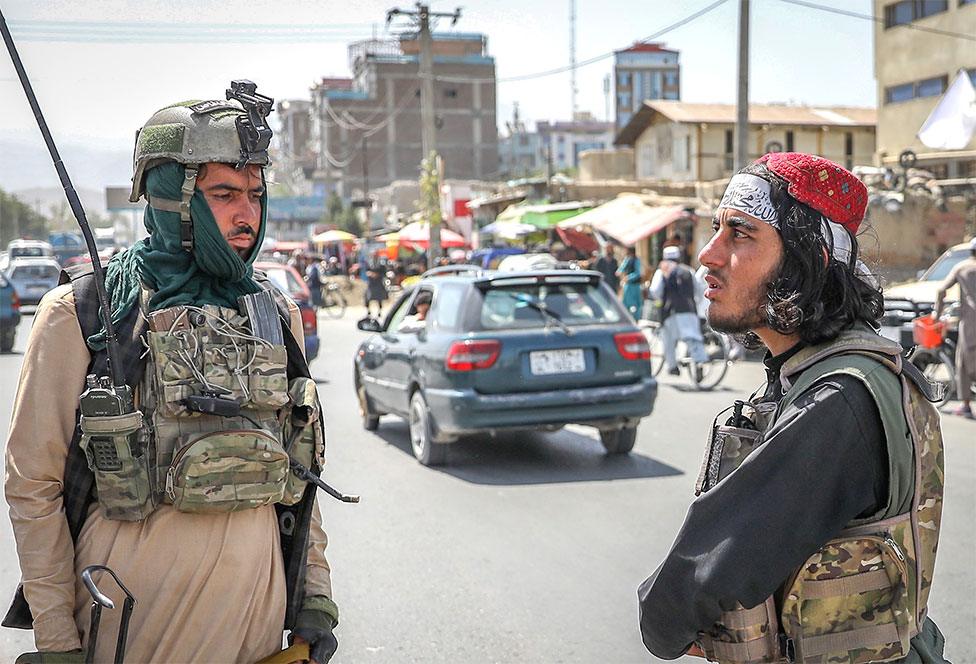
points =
(675, 287)
(963, 275)
(313, 277)
(607, 266)
(189, 499)
(629, 273)
(814, 533)
(375, 288)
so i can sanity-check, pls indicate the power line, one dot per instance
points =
(879, 19)
(597, 58)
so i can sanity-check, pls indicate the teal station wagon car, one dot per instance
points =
(506, 351)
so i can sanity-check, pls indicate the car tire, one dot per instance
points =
(427, 452)
(618, 441)
(7, 340)
(371, 419)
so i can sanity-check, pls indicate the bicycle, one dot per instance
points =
(704, 376)
(936, 357)
(333, 301)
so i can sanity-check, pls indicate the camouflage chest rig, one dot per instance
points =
(138, 484)
(863, 596)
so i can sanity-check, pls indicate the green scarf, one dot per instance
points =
(212, 274)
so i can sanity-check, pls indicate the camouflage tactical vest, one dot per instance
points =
(863, 596)
(220, 422)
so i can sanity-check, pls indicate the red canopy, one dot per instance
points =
(418, 234)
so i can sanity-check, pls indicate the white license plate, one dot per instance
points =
(548, 362)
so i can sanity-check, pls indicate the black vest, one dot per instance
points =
(293, 521)
(679, 292)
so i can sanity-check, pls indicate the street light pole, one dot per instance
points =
(742, 97)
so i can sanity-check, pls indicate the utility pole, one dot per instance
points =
(742, 97)
(421, 17)
(367, 204)
(572, 58)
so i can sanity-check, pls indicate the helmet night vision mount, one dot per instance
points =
(253, 129)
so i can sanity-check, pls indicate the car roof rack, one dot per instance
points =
(453, 271)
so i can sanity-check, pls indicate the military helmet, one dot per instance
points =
(231, 131)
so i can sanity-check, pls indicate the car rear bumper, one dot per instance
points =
(466, 411)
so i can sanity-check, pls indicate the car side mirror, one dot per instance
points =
(369, 324)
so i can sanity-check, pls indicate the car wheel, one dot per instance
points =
(371, 419)
(425, 449)
(618, 441)
(7, 339)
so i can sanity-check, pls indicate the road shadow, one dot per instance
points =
(529, 457)
(688, 389)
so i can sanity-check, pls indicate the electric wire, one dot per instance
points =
(879, 19)
(596, 58)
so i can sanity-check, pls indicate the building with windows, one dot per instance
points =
(366, 130)
(562, 142)
(913, 69)
(685, 142)
(643, 71)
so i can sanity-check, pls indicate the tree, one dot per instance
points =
(430, 197)
(19, 220)
(333, 209)
(350, 221)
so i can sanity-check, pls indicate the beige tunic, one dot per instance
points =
(209, 588)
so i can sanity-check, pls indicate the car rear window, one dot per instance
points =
(34, 272)
(517, 305)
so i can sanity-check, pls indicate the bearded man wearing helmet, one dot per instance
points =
(814, 533)
(195, 506)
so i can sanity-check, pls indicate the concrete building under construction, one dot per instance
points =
(375, 114)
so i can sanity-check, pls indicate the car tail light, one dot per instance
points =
(14, 301)
(472, 354)
(309, 321)
(632, 345)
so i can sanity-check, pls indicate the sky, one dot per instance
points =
(96, 91)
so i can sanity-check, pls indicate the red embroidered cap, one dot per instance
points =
(823, 185)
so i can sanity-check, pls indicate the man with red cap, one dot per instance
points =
(814, 533)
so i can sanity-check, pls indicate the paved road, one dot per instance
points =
(526, 548)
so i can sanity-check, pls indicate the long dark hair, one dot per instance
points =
(814, 297)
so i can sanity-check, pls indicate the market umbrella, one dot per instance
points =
(334, 235)
(418, 234)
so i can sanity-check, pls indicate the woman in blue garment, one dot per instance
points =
(630, 277)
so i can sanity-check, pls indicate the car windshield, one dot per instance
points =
(34, 272)
(537, 304)
(941, 268)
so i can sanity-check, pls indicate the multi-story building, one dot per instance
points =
(562, 142)
(520, 152)
(913, 69)
(366, 131)
(686, 142)
(643, 71)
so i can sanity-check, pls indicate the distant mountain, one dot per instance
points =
(93, 200)
(26, 167)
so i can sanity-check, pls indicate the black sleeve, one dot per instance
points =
(823, 464)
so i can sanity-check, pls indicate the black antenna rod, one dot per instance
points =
(75, 203)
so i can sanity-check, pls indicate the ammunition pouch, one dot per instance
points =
(303, 435)
(120, 465)
(226, 471)
(854, 594)
(744, 636)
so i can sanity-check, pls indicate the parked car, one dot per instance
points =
(33, 277)
(506, 351)
(9, 314)
(289, 282)
(907, 301)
